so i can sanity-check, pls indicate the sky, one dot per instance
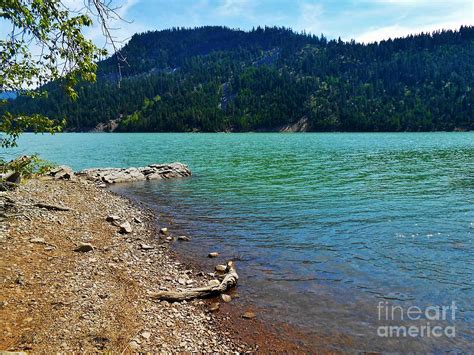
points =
(362, 20)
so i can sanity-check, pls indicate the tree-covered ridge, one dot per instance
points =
(218, 79)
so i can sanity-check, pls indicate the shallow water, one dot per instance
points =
(325, 225)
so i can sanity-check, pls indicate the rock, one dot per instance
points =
(214, 307)
(248, 315)
(184, 238)
(164, 231)
(7, 186)
(137, 220)
(221, 268)
(20, 280)
(125, 228)
(134, 345)
(62, 172)
(146, 335)
(226, 298)
(150, 172)
(37, 240)
(154, 176)
(146, 247)
(182, 281)
(213, 254)
(13, 177)
(112, 218)
(84, 248)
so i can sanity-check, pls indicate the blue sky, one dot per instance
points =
(362, 20)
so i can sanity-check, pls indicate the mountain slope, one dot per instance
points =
(219, 79)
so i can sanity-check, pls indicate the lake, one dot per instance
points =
(328, 228)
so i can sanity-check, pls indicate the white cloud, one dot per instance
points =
(396, 31)
(414, 2)
(402, 2)
(451, 19)
(310, 18)
(235, 8)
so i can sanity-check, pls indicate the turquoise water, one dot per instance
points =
(324, 225)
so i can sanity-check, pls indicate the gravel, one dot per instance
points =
(55, 299)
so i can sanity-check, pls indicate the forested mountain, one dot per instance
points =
(219, 79)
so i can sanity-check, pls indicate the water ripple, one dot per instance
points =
(382, 215)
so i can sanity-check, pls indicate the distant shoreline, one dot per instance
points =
(261, 131)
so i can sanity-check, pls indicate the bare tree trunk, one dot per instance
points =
(229, 281)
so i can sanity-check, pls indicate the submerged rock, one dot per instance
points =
(213, 255)
(150, 172)
(214, 307)
(226, 298)
(184, 238)
(221, 268)
(248, 315)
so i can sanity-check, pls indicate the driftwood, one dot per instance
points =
(229, 281)
(51, 207)
(9, 203)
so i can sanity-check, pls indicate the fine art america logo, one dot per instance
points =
(413, 321)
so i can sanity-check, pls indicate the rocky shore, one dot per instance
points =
(150, 172)
(80, 270)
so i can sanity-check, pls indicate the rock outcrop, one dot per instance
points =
(109, 126)
(150, 172)
(302, 125)
(62, 172)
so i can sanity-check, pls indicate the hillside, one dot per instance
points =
(219, 79)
